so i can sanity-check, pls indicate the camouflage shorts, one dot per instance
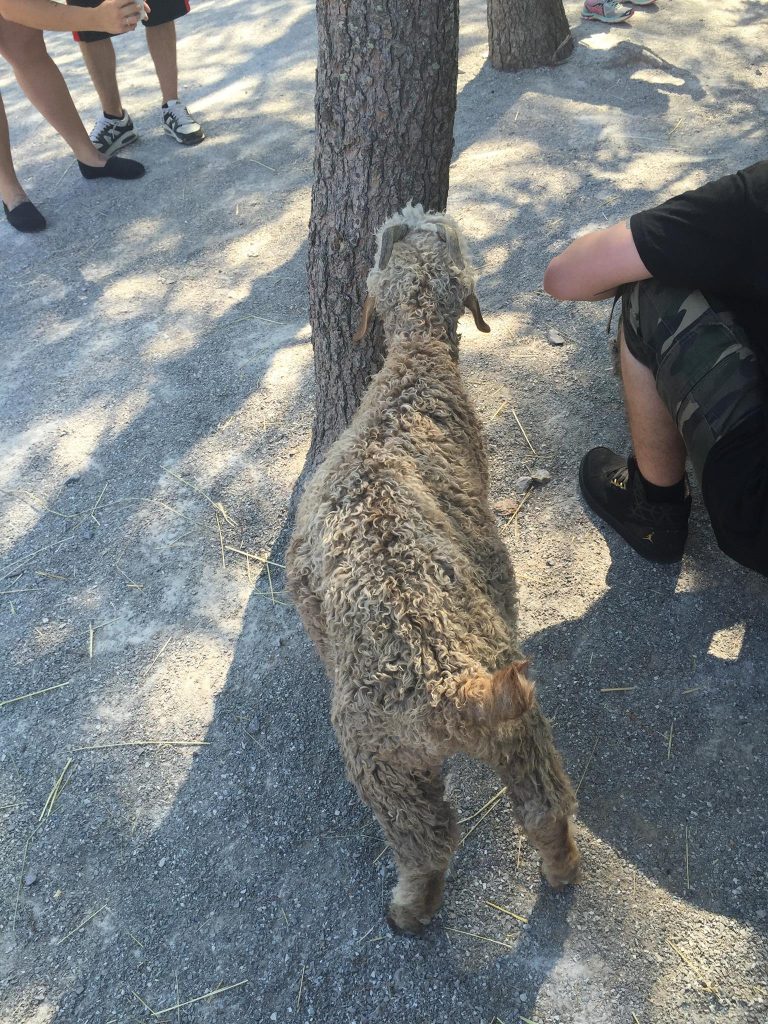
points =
(706, 372)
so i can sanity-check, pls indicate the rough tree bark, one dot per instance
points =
(384, 109)
(527, 33)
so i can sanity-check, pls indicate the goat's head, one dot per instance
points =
(420, 258)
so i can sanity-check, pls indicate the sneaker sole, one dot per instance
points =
(615, 525)
(607, 21)
(184, 140)
(125, 140)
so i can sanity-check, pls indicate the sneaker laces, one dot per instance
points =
(180, 114)
(104, 129)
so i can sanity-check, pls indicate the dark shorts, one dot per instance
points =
(162, 12)
(710, 380)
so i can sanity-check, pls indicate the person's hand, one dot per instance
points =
(117, 16)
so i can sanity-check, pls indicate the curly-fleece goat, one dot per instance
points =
(406, 588)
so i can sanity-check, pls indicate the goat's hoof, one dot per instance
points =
(403, 921)
(562, 873)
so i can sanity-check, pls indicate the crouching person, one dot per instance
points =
(692, 277)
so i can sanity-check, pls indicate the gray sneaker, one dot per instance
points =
(110, 134)
(180, 125)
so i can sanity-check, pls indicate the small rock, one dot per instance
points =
(554, 337)
(540, 477)
(30, 879)
(79, 989)
(254, 725)
(523, 483)
(507, 506)
(72, 480)
(161, 862)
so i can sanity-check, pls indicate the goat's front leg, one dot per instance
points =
(408, 798)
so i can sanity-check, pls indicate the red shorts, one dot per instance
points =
(162, 12)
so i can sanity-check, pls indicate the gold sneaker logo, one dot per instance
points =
(649, 537)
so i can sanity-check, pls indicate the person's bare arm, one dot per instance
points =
(114, 16)
(595, 265)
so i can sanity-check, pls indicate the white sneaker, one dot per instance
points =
(110, 134)
(180, 125)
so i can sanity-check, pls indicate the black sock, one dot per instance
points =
(664, 495)
(114, 117)
(115, 167)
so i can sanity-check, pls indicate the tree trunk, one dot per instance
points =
(527, 33)
(384, 109)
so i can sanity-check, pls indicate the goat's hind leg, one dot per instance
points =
(408, 798)
(517, 743)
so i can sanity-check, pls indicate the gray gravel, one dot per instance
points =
(157, 397)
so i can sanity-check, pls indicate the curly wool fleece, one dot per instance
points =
(406, 588)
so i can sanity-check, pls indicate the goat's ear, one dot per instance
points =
(474, 307)
(394, 233)
(365, 318)
(451, 238)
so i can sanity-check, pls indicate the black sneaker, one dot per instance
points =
(110, 134)
(613, 488)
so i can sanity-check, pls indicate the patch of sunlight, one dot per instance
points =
(657, 76)
(726, 644)
(267, 255)
(688, 580)
(166, 346)
(130, 297)
(606, 40)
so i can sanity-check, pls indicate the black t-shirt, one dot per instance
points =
(715, 238)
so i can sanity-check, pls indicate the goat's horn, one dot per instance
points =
(394, 233)
(474, 307)
(365, 317)
(455, 254)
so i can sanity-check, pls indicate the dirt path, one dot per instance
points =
(156, 394)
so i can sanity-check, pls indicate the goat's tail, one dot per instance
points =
(500, 697)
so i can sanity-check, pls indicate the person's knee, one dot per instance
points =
(22, 47)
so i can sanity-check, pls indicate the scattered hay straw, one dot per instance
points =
(253, 160)
(635, 1019)
(616, 689)
(693, 689)
(301, 987)
(82, 924)
(221, 542)
(145, 743)
(51, 575)
(589, 762)
(477, 935)
(687, 864)
(669, 747)
(56, 791)
(34, 693)
(496, 796)
(677, 125)
(708, 986)
(216, 505)
(380, 854)
(502, 406)
(519, 851)
(504, 910)
(197, 999)
(250, 554)
(522, 429)
(157, 656)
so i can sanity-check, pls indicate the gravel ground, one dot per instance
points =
(157, 399)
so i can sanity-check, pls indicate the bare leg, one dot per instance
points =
(11, 191)
(44, 86)
(408, 799)
(656, 441)
(101, 62)
(161, 40)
